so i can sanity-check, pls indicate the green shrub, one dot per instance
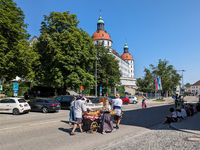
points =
(121, 90)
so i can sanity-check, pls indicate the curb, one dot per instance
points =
(182, 130)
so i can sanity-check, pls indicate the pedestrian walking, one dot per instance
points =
(144, 102)
(117, 105)
(106, 123)
(71, 114)
(78, 107)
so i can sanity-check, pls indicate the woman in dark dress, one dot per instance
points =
(106, 123)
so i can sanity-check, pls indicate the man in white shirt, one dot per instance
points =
(117, 105)
(78, 107)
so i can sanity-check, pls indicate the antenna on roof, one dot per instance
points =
(100, 12)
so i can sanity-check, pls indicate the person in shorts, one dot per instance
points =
(78, 107)
(117, 105)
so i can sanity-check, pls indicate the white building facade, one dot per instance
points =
(126, 62)
(195, 88)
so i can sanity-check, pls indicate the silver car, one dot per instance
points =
(133, 99)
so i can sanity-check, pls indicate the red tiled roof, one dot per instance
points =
(127, 56)
(197, 83)
(114, 51)
(101, 34)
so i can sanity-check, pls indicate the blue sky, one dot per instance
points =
(154, 29)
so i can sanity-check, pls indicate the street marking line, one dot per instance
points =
(42, 123)
(11, 128)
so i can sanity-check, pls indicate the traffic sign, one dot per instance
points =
(1, 87)
(15, 86)
(174, 89)
(100, 90)
(15, 92)
(173, 96)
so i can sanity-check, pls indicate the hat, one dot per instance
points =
(117, 96)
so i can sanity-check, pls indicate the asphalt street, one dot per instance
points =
(51, 131)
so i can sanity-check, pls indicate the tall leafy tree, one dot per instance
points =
(108, 73)
(187, 85)
(66, 52)
(169, 77)
(15, 54)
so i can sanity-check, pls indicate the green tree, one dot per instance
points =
(15, 54)
(169, 77)
(108, 73)
(66, 53)
(187, 85)
(145, 84)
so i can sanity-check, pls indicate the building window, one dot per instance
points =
(97, 42)
(126, 56)
(196, 86)
(108, 43)
(103, 42)
(102, 35)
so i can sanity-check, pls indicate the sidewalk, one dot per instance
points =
(190, 124)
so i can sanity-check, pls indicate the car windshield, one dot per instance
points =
(122, 97)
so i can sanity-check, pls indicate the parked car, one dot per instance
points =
(124, 99)
(133, 99)
(14, 105)
(64, 100)
(96, 100)
(44, 104)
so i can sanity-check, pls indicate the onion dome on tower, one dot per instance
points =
(126, 55)
(101, 34)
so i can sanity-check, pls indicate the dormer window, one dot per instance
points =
(126, 56)
(102, 35)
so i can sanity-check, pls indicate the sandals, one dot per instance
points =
(72, 133)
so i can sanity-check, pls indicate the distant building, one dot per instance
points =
(126, 61)
(195, 88)
(33, 40)
(188, 89)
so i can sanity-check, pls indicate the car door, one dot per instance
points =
(4, 106)
(39, 104)
(12, 104)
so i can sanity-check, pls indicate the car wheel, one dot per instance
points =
(134, 102)
(126, 102)
(15, 111)
(44, 110)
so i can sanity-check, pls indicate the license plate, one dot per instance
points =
(25, 105)
(58, 105)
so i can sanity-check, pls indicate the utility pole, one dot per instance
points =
(96, 76)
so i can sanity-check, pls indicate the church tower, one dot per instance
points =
(101, 35)
(129, 59)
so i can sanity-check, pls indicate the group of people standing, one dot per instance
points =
(78, 106)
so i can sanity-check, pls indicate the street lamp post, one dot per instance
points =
(96, 77)
(182, 77)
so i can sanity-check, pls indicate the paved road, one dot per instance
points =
(51, 131)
